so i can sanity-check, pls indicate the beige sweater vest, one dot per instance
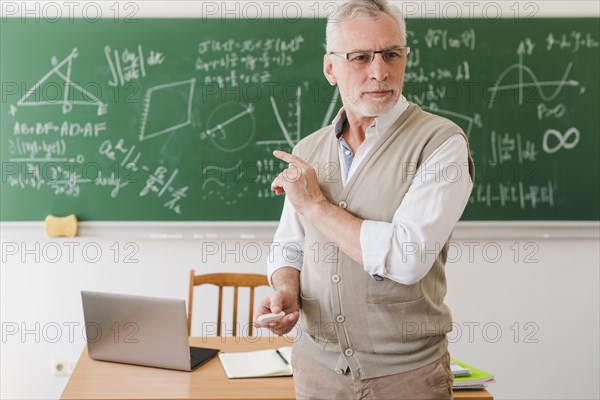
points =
(349, 319)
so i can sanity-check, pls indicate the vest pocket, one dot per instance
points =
(310, 313)
(405, 323)
(316, 323)
(388, 291)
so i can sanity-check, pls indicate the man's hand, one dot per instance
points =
(299, 181)
(280, 299)
(286, 281)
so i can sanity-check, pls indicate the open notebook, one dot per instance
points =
(258, 364)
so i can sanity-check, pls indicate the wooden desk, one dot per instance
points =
(104, 380)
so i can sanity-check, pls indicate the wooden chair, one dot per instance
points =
(226, 280)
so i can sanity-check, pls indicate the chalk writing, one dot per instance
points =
(246, 61)
(231, 126)
(514, 193)
(154, 123)
(567, 140)
(521, 68)
(506, 148)
(37, 149)
(573, 41)
(127, 65)
(62, 70)
(446, 40)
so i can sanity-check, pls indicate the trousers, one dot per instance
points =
(313, 380)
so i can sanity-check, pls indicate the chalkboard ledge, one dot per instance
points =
(465, 230)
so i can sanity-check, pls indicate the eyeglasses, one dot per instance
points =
(364, 58)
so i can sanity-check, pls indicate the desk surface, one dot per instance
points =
(104, 380)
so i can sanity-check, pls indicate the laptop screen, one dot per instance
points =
(140, 330)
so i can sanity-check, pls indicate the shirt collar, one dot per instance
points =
(383, 122)
(338, 123)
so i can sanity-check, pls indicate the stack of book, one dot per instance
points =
(468, 377)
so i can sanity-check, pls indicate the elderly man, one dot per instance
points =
(371, 202)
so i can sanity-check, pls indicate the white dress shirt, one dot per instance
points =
(404, 249)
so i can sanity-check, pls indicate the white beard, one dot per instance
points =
(376, 107)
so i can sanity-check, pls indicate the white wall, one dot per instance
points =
(525, 321)
(534, 324)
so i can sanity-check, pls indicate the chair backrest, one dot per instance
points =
(226, 280)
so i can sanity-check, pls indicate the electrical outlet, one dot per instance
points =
(63, 367)
(59, 368)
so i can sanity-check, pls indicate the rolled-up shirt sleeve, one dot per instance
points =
(405, 249)
(287, 248)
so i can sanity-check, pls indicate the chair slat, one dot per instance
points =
(227, 280)
(235, 303)
(251, 312)
(219, 318)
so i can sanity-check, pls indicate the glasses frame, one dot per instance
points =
(372, 52)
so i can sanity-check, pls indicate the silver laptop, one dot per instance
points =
(140, 330)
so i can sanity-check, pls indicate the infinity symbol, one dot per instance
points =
(566, 141)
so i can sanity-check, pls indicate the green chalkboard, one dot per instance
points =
(176, 119)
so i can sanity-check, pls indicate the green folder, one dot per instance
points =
(477, 375)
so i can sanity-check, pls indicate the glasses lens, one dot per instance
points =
(393, 56)
(360, 57)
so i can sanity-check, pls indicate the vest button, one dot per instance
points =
(343, 204)
(339, 371)
(340, 318)
(335, 278)
(349, 352)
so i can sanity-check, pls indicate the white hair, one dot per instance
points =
(370, 8)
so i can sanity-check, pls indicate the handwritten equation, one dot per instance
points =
(232, 62)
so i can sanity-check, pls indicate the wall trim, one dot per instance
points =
(466, 230)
